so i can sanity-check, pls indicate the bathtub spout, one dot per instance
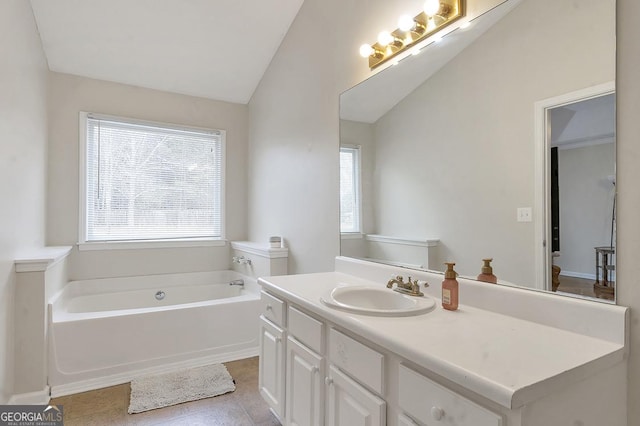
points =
(239, 282)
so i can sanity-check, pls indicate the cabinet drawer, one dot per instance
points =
(434, 404)
(359, 361)
(305, 328)
(273, 308)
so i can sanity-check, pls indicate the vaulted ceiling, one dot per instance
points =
(217, 49)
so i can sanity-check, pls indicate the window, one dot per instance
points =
(350, 189)
(150, 181)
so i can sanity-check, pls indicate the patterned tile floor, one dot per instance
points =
(108, 406)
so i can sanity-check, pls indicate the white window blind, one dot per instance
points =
(152, 182)
(350, 189)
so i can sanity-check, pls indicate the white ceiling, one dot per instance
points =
(584, 122)
(217, 49)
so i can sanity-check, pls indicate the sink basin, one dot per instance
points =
(377, 301)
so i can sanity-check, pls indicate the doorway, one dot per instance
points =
(575, 192)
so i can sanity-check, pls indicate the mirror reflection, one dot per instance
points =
(440, 154)
(581, 187)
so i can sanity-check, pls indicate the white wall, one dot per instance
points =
(23, 150)
(295, 108)
(293, 155)
(71, 94)
(586, 205)
(628, 176)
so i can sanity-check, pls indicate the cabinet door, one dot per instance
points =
(350, 404)
(305, 386)
(271, 366)
(405, 421)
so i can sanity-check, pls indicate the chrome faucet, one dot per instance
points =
(241, 260)
(411, 288)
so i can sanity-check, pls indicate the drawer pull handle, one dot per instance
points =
(269, 308)
(328, 381)
(437, 413)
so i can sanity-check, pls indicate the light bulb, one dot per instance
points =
(405, 23)
(366, 50)
(431, 25)
(384, 38)
(431, 7)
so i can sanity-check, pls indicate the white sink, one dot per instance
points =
(377, 301)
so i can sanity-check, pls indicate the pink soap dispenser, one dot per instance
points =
(450, 288)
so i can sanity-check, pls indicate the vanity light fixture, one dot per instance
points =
(436, 15)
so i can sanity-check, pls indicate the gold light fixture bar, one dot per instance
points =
(437, 15)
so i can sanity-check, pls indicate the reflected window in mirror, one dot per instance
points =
(350, 193)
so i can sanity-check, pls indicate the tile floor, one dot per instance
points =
(108, 406)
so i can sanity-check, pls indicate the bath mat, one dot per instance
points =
(163, 390)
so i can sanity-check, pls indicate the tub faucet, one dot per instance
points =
(411, 288)
(241, 260)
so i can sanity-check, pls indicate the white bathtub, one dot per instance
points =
(106, 331)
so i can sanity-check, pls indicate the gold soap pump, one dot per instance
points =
(487, 272)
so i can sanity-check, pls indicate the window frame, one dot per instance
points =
(358, 189)
(84, 244)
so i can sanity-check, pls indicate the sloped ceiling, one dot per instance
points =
(584, 121)
(371, 99)
(217, 49)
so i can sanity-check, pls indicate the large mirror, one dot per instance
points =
(496, 142)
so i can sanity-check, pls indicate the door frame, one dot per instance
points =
(542, 163)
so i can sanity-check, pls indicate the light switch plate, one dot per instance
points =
(524, 214)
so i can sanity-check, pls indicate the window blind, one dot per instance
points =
(150, 182)
(349, 190)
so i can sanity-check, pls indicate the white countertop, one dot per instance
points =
(507, 360)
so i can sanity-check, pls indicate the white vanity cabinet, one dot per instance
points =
(350, 403)
(271, 366)
(313, 374)
(305, 373)
(478, 366)
(303, 392)
(305, 386)
(271, 375)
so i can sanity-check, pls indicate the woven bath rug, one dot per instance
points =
(163, 390)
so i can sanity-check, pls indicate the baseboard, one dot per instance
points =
(578, 275)
(117, 379)
(31, 398)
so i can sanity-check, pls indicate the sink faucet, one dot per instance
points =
(411, 288)
(399, 282)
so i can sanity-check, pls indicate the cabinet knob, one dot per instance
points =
(278, 339)
(314, 370)
(437, 413)
(328, 381)
(269, 308)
